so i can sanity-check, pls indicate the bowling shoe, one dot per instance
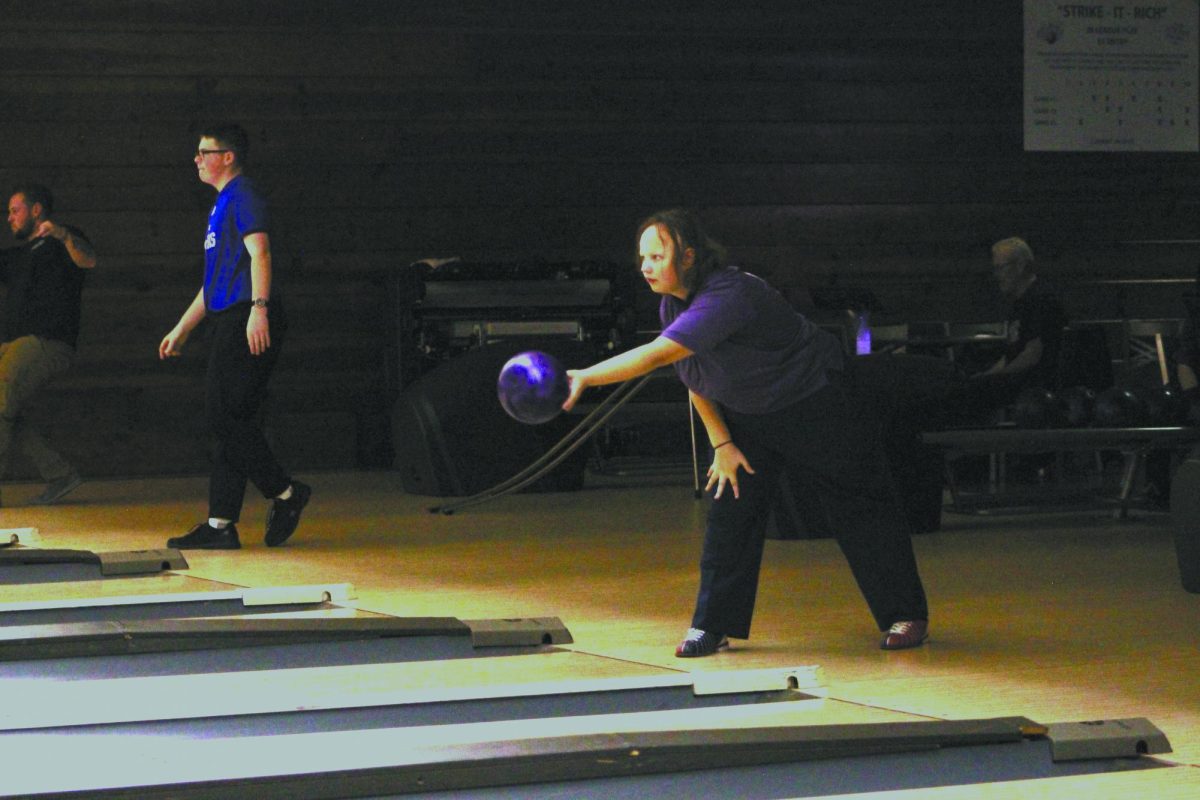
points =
(905, 634)
(700, 643)
(284, 515)
(206, 537)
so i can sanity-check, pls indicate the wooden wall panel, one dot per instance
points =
(534, 229)
(470, 184)
(319, 100)
(853, 144)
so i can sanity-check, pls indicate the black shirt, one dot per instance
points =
(45, 290)
(1037, 314)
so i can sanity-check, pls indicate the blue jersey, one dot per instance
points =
(239, 211)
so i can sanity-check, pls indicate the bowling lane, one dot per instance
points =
(350, 697)
(179, 605)
(148, 585)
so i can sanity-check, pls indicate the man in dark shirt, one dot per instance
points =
(44, 276)
(1035, 322)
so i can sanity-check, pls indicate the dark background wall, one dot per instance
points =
(852, 144)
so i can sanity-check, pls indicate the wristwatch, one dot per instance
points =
(261, 302)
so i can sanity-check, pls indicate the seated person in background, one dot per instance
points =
(1035, 324)
(1031, 358)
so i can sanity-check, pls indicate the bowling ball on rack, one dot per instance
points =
(1119, 407)
(1036, 407)
(1078, 404)
(1165, 404)
(532, 387)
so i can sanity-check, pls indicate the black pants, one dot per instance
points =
(832, 436)
(914, 394)
(235, 387)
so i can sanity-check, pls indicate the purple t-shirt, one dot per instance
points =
(752, 352)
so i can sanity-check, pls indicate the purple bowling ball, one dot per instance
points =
(532, 387)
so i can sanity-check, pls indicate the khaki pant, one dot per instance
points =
(26, 365)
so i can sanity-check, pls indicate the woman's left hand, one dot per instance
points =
(726, 460)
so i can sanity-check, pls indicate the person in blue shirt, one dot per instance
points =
(248, 326)
(774, 392)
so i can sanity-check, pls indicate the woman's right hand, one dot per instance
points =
(726, 460)
(576, 383)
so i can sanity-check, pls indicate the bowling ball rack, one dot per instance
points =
(1135, 444)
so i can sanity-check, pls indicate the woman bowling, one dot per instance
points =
(774, 393)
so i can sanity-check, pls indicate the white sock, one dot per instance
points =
(286, 494)
(219, 524)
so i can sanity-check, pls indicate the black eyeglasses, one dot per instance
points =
(203, 153)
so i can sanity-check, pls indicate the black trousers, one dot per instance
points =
(235, 388)
(913, 394)
(833, 437)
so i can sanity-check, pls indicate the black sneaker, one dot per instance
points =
(206, 537)
(284, 515)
